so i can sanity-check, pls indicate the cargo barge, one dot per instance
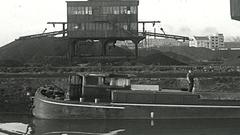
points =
(111, 96)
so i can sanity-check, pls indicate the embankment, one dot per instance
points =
(14, 87)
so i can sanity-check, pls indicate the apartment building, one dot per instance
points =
(216, 42)
(213, 42)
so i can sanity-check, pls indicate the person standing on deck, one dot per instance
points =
(190, 79)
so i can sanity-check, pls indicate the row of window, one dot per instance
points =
(120, 10)
(101, 26)
(80, 10)
(102, 10)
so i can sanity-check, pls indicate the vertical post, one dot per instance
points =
(104, 47)
(64, 30)
(136, 42)
(154, 33)
(69, 52)
(136, 50)
(71, 49)
(152, 115)
(143, 27)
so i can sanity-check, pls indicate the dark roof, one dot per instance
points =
(201, 37)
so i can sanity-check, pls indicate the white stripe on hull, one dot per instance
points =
(139, 105)
(79, 105)
(179, 106)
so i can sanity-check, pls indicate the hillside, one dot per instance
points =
(197, 54)
(159, 59)
(170, 57)
(54, 50)
(33, 50)
(36, 50)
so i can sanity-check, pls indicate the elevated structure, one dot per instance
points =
(103, 20)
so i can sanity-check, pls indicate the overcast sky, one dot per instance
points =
(183, 17)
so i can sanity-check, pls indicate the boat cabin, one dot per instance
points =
(92, 86)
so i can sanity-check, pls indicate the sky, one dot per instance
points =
(182, 17)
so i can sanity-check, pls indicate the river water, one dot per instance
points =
(11, 124)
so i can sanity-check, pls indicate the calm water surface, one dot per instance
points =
(27, 125)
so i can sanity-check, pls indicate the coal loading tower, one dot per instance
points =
(104, 20)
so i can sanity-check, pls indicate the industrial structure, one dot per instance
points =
(104, 21)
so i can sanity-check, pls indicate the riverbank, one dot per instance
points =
(16, 89)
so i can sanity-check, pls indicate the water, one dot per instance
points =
(27, 125)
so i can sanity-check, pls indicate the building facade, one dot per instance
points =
(200, 41)
(216, 42)
(97, 19)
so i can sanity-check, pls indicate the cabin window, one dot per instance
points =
(104, 26)
(125, 26)
(81, 26)
(91, 80)
(96, 10)
(128, 10)
(104, 10)
(119, 10)
(81, 10)
(133, 10)
(109, 27)
(72, 10)
(90, 10)
(133, 26)
(120, 82)
(75, 10)
(108, 10)
(98, 26)
(87, 10)
(90, 26)
(73, 27)
(75, 80)
(116, 10)
(123, 10)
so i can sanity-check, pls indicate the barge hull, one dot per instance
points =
(45, 109)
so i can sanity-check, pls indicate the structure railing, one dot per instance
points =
(177, 37)
(48, 34)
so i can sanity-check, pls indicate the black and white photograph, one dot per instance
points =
(120, 67)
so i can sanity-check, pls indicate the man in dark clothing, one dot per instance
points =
(190, 79)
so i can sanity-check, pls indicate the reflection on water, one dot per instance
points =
(16, 128)
(24, 125)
